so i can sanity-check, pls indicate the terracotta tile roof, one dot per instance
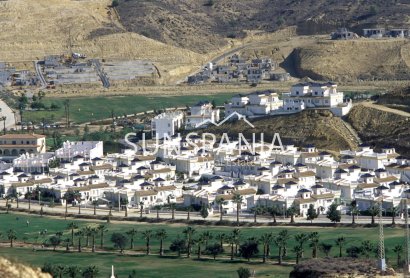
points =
(305, 174)
(22, 136)
(323, 196)
(386, 179)
(102, 167)
(143, 193)
(305, 201)
(367, 185)
(90, 187)
(165, 188)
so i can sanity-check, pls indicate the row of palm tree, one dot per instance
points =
(72, 271)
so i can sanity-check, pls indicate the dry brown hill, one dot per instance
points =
(14, 270)
(205, 25)
(320, 128)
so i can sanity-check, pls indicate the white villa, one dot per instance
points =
(167, 124)
(254, 104)
(201, 113)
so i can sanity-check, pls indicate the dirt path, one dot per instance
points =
(385, 109)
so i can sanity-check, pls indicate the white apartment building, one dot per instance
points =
(201, 113)
(167, 124)
(87, 149)
(254, 104)
(316, 96)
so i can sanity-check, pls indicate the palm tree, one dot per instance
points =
(73, 271)
(188, 209)
(189, 233)
(314, 243)
(266, 240)
(281, 242)
(72, 226)
(256, 211)
(373, 211)
(298, 252)
(91, 272)
(273, 210)
(158, 208)
(221, 237)
(4, 118)
(102, 228)
(220, 202)
(301, 239)
(141, 208)
(79, 234)
(88, 233)
(207, 236)
(340, 241)
(199, 241)
(8, 206)
(398, 249)
(147, 235)
(236, 233)
(132, 233)
(11, 235)
(29, 196)
(237, 199)
(231, 240)
(16, 196)
(394, 210)
(93, 234)
(161, 235)
(95, 204)
(354, 210)
(292, 212)
(41, 208)
(172, 206)
(325, 247)
(67, 242)
(67, 111)
(59, 270)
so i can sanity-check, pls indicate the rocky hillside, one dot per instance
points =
(381, 128)
(205, 25)
(320, 128)
(13, 270)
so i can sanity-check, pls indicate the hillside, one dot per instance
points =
(9, 269)
(381, 128)
(31, 29)
(206, 25)
(320, 128)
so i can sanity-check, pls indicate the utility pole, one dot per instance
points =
(382, 258)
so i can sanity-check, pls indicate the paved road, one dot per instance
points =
(40, 75)
(101, 73)
(346, 219)
(385, 109)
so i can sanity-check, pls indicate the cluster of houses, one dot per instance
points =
(190, 171)
(374, 33)
(237, 70)
(257, 104)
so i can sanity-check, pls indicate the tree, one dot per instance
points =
(366, 248)
(273, 211)
(93, 234)
(207, 235)
(373, 211)
(102, 229)
(72, 226)
(157, 208)
(333, 214)
(248, 249)
(220, 202)
(161, 234)
(132, 233)
(178, 245)
(90, 272)
(266, 240)
(188, 209)
(141, 208)
(281, 242)
(292, 212)
(353, 251)
(11, 236)
(147, 235)
(73, 271)
(353, 210)
(189, 233)
(326, 248)
(88, 233)
(398, 249)
(95, 204)
(237, 199)
(236, 234)
(67, 111)
(120, 241)
(199, 241)
(314, 243)
(221, 238)
(29, 196)
(244, 272)
(298, 250)
(80, 235)
(55, 241)
(257, 210)
(394, 210)
(59, 270)
(172, 207)
(214, 250)
(340, 241)
(204, 211)
(300, 240)
(311, 213)
(115, 3)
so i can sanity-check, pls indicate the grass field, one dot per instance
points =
(87, 109)
(171, 266)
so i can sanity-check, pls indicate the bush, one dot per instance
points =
(115, 3)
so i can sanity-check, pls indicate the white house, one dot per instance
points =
(167, 124)
(254, 104)
(200, 113)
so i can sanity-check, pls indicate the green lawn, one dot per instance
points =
(171, 266)
(84, 109)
